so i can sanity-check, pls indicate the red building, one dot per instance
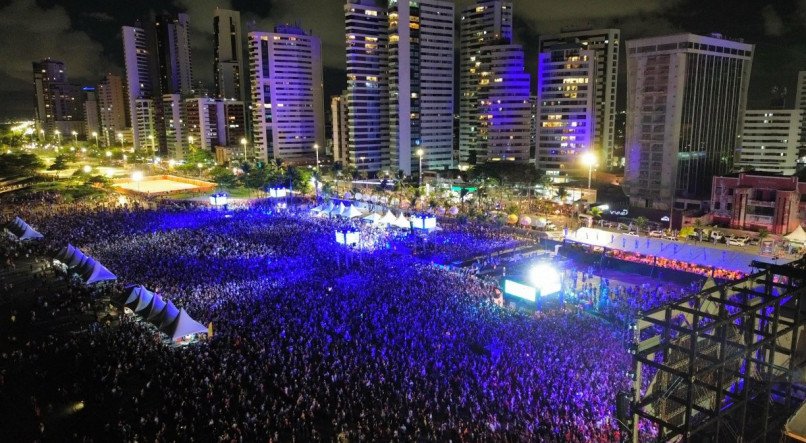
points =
(755, 201)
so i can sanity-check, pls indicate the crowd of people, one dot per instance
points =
(311, 341)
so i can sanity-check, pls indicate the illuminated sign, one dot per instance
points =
(520, 290)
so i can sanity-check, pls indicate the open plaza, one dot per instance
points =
(344, 319)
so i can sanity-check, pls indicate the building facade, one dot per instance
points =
(287, 94)
(754, 202)
(92, 115)
(176, 136)
(339, 122)
(770, 140)
(605, 43)
(229, 75)
(505, 110)
(686, 96)
(367, 86)
(421, 82)
(565, 108)
(111, 107)
(59, 105)
(140, 87)
(212, 123)
(482, 24)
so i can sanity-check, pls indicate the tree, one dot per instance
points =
(596, 212)
(59, 164)
(762, 234)
(640, 222)
(17, 164)
(562, 193)
(224, 177)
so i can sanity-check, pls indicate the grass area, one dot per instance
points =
(238, 192)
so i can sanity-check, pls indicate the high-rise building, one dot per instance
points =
(287, 94)
(175, 131)
(421, 62)
(482, 24)
(565, 102)
(140, 88)
(92, 115)
(170, 44)
(770, 140)
(800, 91)
(111, 107)
(339, 123)
(686, 96)
(533, 128)
(230, 78)
(213, 122)
(505, 111)
(605, 44)
(367, 86)
(59, 104)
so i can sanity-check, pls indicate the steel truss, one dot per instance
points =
(709, 356)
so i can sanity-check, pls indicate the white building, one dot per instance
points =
(137, 61)
(339, 123)
(565, 108)
(367, 96)
(686, 96)
(230, 78)
(605, 44)
(505, 109)
(770, 140)
(175, 132)
(111, 107)
(421, 62)
(484, 23)
(287, 94)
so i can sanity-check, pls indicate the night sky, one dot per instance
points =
(85, 34)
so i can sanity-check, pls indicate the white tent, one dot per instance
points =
(183, 326)
(341, 210)
(402, 222)
(71, 256)
(98, 274)
(143, 301)
(168, 315)
(351, 212)
(318, 208)
(373, 218)
(132, 298)
(154, 308)
(797, 236)
(22, 230)
(388, 218)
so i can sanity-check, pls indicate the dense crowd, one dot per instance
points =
(311, 341)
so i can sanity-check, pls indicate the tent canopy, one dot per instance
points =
(797, 236)
(183, 326)
(351, 212)
(169, 314)
(402, 222)
(22, 230)
(388, 218)
(373, 218)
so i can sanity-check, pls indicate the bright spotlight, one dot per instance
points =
(546, 279)
(87, 169)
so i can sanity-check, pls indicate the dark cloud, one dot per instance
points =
(86, 33)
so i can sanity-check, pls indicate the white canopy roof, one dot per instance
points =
(351, 212)
(71, 256)
(99, 273)
(22, 230)
(387, 218)
(797, 236)
(133, 298)
(183, 326)
(154, 308)
(143, 301)
(689, 253)
(373, 218)
(402, 222)
(168, 315)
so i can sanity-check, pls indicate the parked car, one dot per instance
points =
(737, 241)
(632, 233)
(656, 234)
(717, 236)
(670, 236)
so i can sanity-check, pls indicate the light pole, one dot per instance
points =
(151, 141)
(75, 137)
(243, 143)
(95, 134)
(190, 142)
(120, 139)
(316, 148)
(106, 137)
(420, 169)
(199, 165)
(589, 159)
(58, 137)
(137, 176)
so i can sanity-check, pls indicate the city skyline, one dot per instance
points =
(89, 40)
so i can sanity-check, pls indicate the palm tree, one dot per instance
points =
(640, 222)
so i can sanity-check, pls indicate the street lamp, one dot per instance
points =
(420, 170)
(58, 137)
(243, 142)
(589, 159)
(316, 148)
(75, 137)
(190, 142)
(151, 141)
(95, 134)
(120, 139)
(87, 169)
(199, 165)
(137, 177)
